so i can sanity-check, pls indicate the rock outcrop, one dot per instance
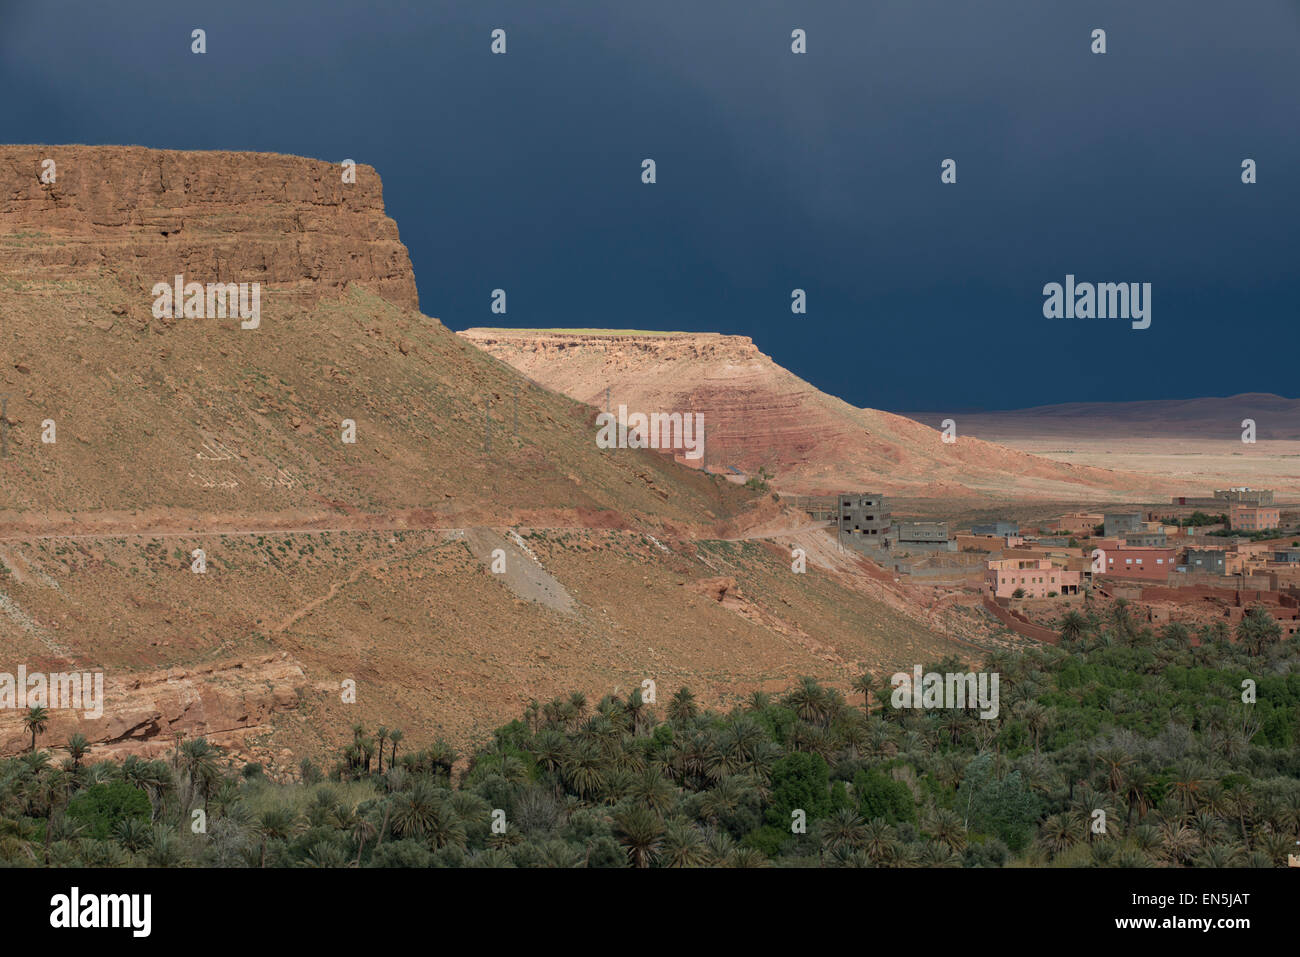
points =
(143, 712)
(145, 216)
(758, 414)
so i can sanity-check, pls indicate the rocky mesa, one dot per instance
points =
(757, 413)
(75, 213)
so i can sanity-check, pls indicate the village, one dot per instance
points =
(1194, 561)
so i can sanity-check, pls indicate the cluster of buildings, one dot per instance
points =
(1145, 547)
(1066, 556)
(865, 524)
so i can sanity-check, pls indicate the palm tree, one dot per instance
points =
(1241, 804)
(654, 790)
(724, 798)
(1072, 626)
(843, 829)
(682, 708)
(35, 720)
(395, 737)
(1136, 784)
(154, 778)
(948, 829)
(635, 708)
(1114, 762)
(276, 823)
(198, 757)
(1059, 832)
(879, 841)
(582, 767)
(682, 846)
(865, 684)
(1257, 628)
(1119, 617)
(1035, 716)
(808, 699)
(381, 736)
(77, 747)
(641, 832)
(578, 702)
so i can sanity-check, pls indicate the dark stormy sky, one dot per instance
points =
(775, 171)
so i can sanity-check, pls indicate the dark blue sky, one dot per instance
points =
(775, 171)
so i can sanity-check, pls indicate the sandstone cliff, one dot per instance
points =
(144, 712)
(146, 215)
(757, 413)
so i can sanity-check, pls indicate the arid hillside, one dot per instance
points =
(186, 417)
(472, 549)
(758, 414)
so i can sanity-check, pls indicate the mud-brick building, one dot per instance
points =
(1147, 564)
(1033, 578)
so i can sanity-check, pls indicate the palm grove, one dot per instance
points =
(1122, 746)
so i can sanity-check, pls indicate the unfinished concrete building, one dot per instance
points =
(864, 516)
(1000, 529)
(1115, 524)
(1245, 495)
(924, 536)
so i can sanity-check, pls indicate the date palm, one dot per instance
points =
(865, 685)
(682, 846)
(641, 832)
(808, 699)
(947, 828)
(1114, 764)
(35, 720)
(1059, 832)
(276, 823)
(578, 702)
(654, 791)
(77, 747)
(843, 829)
(1035, 717)
(682, 708)
(199, 761)
(1073, 625)
(879, 840)
(583, 768)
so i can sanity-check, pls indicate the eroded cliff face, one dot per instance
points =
(757, 413)
(143, 713)
(144, 216)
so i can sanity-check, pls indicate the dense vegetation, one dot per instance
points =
(1139, 726)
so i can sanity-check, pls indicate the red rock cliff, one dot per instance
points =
(145, 215)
